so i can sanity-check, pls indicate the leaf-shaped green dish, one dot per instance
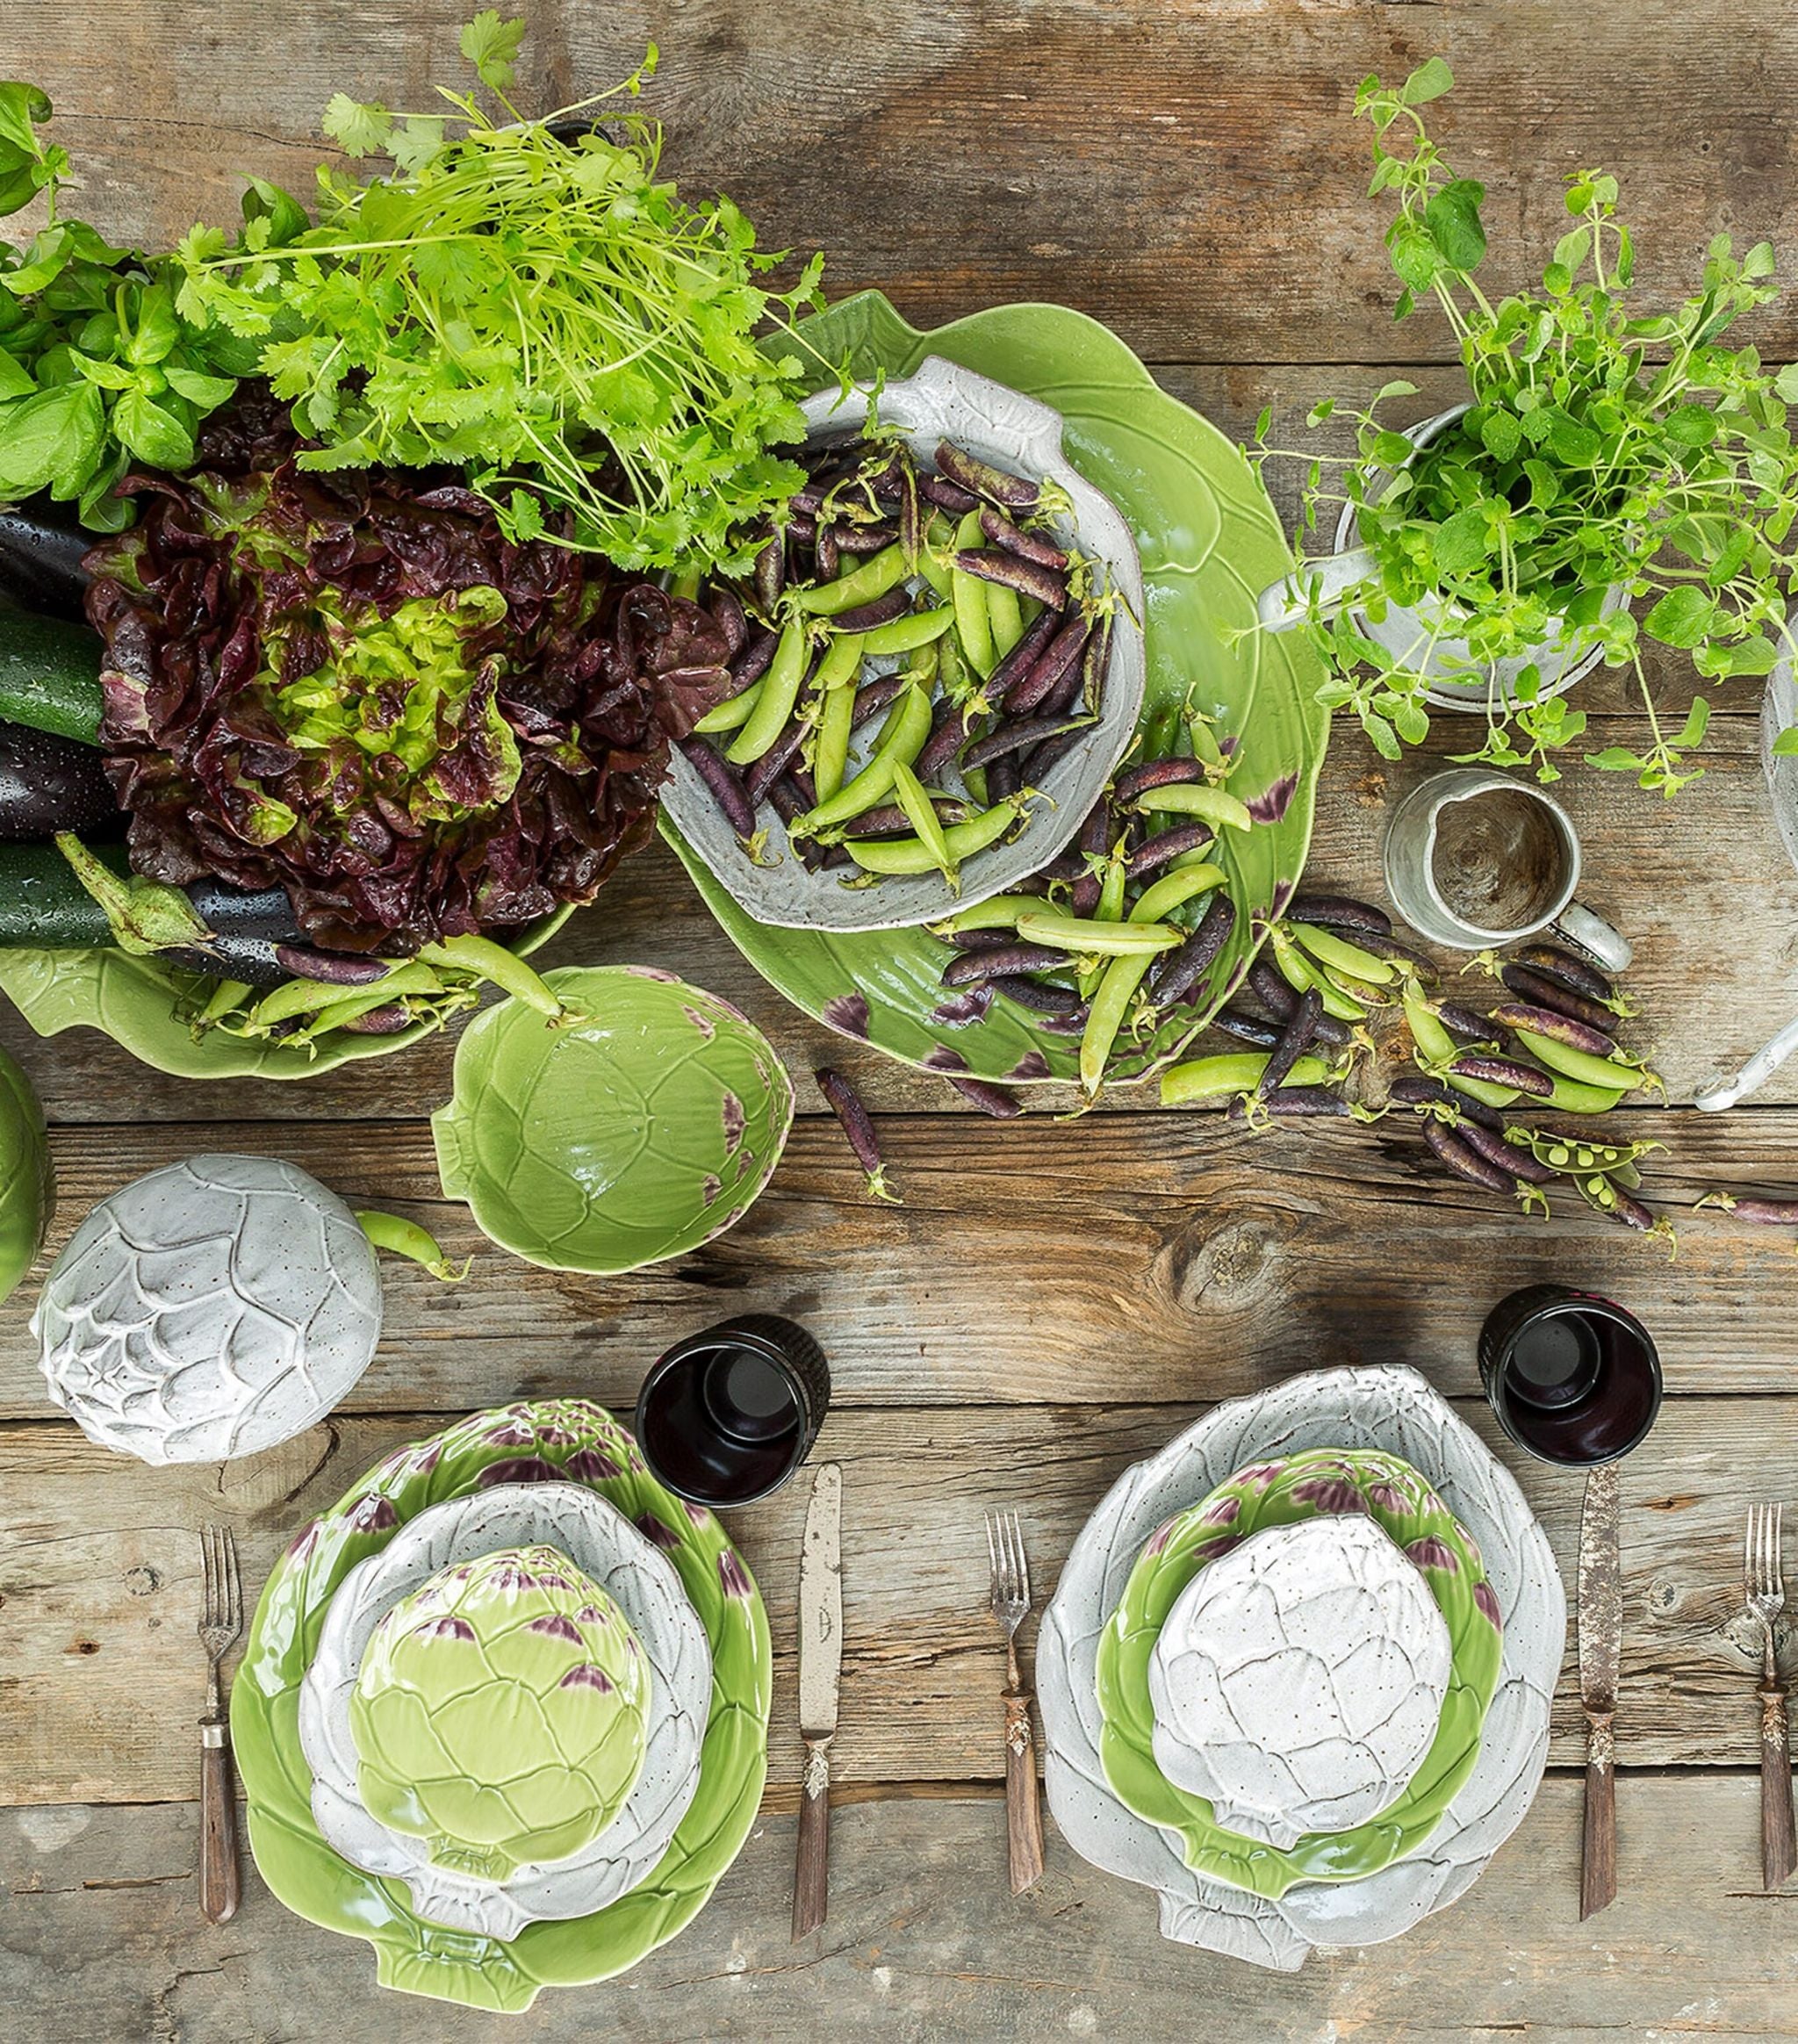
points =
(554, 1440)
(1210, 539)
(143, 1005)
(1310, 1484)
(632, 1135)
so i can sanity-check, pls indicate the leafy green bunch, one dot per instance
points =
(97, 369)
(1609, 459)
(529, 300)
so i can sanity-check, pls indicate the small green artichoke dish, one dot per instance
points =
(500, 1712)
(635, 1133)
(27, 1190)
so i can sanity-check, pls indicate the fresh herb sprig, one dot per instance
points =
(1605, 449)
(530, 300)
(97, 369)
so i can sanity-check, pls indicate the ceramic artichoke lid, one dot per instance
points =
(1298, 1681)
(209, 1309)
(500, 1712)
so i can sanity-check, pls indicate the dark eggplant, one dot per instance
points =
(48, 784)
(40, 562)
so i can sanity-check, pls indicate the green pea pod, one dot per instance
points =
(406, 1238)
(506, 969)
(913, 855)
(1081, 935)
(1570, 1097)
(877, 574)
(685, 584)
(905, 635)
(733, 715)
(1110, 904)
(968, 594)
(1434, 1042)
(841, 662)
(1161, 896)
(1213, 1078)
(1482, 1090)
(225, 997)
(775, 700)
(1300, 972)
(921, 814)
(27, 1184)
(1105, 1017)
(1571, 1152)
(996, 912)
(934, 568)
(902, 738)
(1337, 954)
(310, 996)
(829, 759)
(1581, 1066)
(1004, 618)
(1197, 798)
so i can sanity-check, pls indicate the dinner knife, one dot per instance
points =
(820, 1670)
(1600, 1658)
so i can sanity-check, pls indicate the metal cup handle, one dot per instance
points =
(1332, 580)
(1591, 932)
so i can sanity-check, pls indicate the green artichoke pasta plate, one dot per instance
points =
(1209, 540)
(1276, 1493)
(551, 1441)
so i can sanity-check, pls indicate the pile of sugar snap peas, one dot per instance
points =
(1003, 638)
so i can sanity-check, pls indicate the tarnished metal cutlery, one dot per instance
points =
(221, 1620)
(1010, 1604)
(1764, 1584)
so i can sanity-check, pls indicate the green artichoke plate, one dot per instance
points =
(1315, 1483)
(551, 1441)
(632, 1135)
(144, 1005)
(1210, 541)
(27, 1187)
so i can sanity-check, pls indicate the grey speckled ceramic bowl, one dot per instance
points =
(944, 401)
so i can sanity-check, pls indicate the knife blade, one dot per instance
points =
(820, 1671)
(1601, 1662)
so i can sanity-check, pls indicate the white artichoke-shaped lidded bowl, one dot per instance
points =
(500, 1713)
(1298, 1681)
(210, 1309)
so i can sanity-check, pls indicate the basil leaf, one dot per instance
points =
(43, 437)
(21, 106)
(152, 432)
(203, 390)
(1682, 617)
(1452, 218)
(16, 380)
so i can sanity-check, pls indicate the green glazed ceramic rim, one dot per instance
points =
(1282, 1491)
(550, 1439)
(1210, 541)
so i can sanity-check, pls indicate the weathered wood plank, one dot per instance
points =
(924, 1942)
(1039, 1259)
(1192, 174)
(98, 1582)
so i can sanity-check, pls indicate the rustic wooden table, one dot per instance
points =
(1053, 1299)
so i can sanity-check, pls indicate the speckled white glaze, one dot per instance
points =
(1372, 1407)
(607, 1547)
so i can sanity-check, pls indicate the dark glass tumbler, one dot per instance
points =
(1571, 1376)
(727, 1415)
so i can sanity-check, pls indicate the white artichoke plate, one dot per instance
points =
(643, 1582)
(944, 400)
(1298, 1681)
(1374, 1407)
(209, 1309)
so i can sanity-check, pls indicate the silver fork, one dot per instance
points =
(1765, 1583)
(221, 1620)
(1023, 1818)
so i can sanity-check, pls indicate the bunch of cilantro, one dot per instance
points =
(1604, 450)
(98, 370)
(528, 300)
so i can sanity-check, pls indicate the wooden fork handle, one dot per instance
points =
(1779, 1843)
(811, 1871)
(219, 1889)
(1597, 1861)
(1024, 1815)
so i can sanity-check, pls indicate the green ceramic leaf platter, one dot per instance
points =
(144, 1005)
(633, 1135)
(1279, 1492)
(559, 1440)
(28, 1183)
(1209, 540)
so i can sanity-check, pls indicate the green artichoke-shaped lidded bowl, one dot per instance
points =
(642, 1129)
(502, 1712)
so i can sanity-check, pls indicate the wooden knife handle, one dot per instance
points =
(219, 1889)
(1778, 1845)
(1597, 1865)
(1024, 1815)
(811, 1873)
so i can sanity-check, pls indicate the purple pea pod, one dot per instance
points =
(1095, 664)
(1013, 572)
(1247, 1028)
(979, 939)
(1042, 997)
(1558, 1027)
(1764, 1212)
(1003, 779)
(1037, 764)
(1567, 970)
(969, 969)
(1542, 992)
(770, 574)
(1176, 972)
(1418, 1090)
(826, 553)
(762, 773)
(1148, 773)
(1466, 1023)
(1507, 1155)
(726, 608)
(947, 496)
(1422, 968)
(1018, 738)
(1464, 1160)
(864, 539)
(852, 1116)
(1503, 1071)
(997, 486)
(792, 797)
(754, 660)
(878, 610)
(1310, 1101)
(949, 731)
(1029, 546)
(1023, 656)
(990, 1099)
(1167, 846)
(1330, 911)
(726, 787)
(1268, 986)
(1090, 846)
(1296, 1037)
(1062, 654)
(875, 696)
(332, 968)
(386, 1021)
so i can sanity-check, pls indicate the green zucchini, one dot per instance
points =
(42, 903)
(50, 675)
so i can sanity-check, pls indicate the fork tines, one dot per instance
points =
(1760, 1561)
(223, 1608)
(1009, 1564)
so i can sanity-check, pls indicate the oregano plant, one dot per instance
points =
(1605, 449)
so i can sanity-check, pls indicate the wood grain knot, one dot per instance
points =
(1230, 1258)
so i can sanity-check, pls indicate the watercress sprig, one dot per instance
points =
(1605, 450)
